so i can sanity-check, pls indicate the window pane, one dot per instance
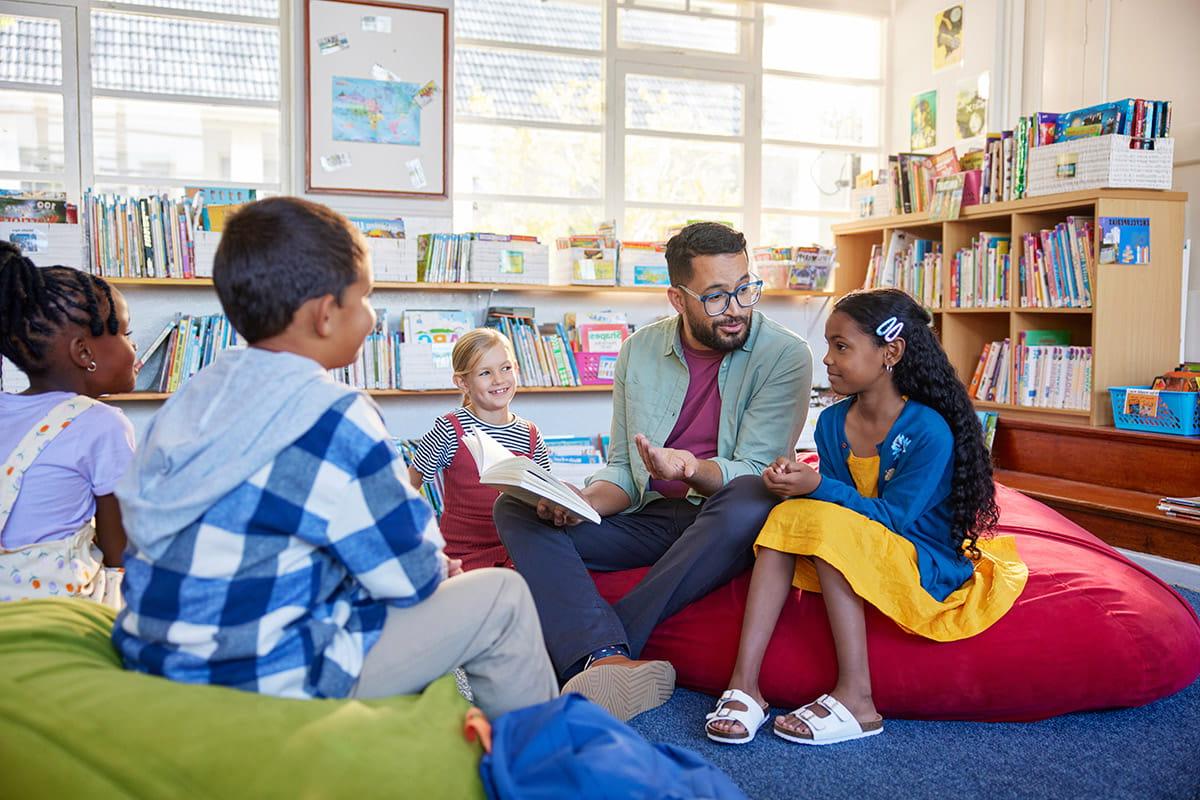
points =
(808, 178)
(821, 43)
(12, 184)
(136, 53)
(781, 230)
(678, 32)
(31, 131)
(30, 50)
(245, 8)
(513, 85)
(683, 171)
(553, 23)
(684, 106)
(547, 221)
(147, 138)
(495, 159)
(816, 111)
(653, 224)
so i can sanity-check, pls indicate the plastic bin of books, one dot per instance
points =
(420, 370)
(1140, 408)
(588, 266)
(643, 264)
(596, 368)
(1100, 162)
(495, 258)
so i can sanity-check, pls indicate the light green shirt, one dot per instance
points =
(764, 389)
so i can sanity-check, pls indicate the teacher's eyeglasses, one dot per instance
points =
(717, 303)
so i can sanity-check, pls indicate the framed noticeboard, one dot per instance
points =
(376, 98)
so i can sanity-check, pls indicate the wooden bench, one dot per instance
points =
(1106, 480)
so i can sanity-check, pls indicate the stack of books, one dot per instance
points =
(1051, 373)
(378, 363)
(910, 264)
(979, 273)
(1182, 507)
(544, 353)
(140, 237)
(482, 258)
(183, 348)
(992, 375)
(1054, 270)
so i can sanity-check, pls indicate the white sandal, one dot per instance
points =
(839, 726)
(752, 718)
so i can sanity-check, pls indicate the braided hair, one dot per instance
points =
(925, 374)
(36, 303)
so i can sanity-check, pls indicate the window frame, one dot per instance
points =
(78, 117)
(745, 68)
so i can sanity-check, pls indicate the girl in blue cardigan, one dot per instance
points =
(893, 518)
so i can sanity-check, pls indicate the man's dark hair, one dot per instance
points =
(275, 255)
(700, 239)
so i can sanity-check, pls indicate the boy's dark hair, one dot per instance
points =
(700, 239)
(37, 302)
(275, 255)
(925, 374)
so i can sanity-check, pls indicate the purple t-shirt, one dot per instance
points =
(700, 417)
(85, 461)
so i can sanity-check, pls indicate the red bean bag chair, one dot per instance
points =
(1092, 630)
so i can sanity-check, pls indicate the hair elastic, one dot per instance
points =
(889, 329)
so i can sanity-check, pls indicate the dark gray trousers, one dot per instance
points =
(692, 549)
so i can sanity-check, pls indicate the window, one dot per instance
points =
(655, 112)
(178, 92)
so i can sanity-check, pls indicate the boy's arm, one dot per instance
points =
(377, 525)
(771, 424)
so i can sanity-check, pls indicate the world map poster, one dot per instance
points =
(381, 112)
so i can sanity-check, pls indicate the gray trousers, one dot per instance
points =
(483, 621)
(693, 550)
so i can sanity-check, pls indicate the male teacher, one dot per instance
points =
(703, 402)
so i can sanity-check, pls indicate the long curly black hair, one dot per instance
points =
(925, 374)
(37, 302)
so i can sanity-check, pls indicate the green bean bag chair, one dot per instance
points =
(73, 723)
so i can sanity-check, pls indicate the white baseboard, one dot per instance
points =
(1176, 573)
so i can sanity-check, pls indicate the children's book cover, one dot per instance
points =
(1124, 240)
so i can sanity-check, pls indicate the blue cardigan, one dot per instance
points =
(916, 465)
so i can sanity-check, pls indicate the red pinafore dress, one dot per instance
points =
(466, 521)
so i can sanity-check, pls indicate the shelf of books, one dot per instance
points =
(473, 287)
(1038, 307)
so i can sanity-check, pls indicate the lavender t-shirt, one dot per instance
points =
(700, 416)
(85, 461)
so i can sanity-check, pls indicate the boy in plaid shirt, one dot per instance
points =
(275, 543)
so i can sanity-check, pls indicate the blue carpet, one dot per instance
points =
(1143, 753)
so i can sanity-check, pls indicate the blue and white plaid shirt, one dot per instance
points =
(283, 585)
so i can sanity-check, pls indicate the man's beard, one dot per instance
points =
(707, 332)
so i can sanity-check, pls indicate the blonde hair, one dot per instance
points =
(471, 347)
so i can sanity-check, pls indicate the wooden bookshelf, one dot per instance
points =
(1132, 328)
(133, 397)
(418, 286)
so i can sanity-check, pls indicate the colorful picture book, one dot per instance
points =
(1124, 240)
(544, 353)
(988, 421)
(185, 346)
(991, 381)
(1057, 267)
(1051, 373)
(519, 477)
(911, 264)
(141, 237)
(979, 273)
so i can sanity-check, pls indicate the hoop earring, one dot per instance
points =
(889, 367)
(91, 367)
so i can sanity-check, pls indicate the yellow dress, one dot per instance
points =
(881, 565)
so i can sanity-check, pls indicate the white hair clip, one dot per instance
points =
(889, 329)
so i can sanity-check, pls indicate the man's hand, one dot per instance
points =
(665, 463)
(558, 516)
(789, 478)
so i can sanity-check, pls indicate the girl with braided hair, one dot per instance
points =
(62, 451)
(895, 517)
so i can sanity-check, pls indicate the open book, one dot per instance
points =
(522, 478)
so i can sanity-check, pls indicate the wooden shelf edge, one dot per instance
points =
(985, 210)
(136, 397)
(473, 287)
(1013, 408)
